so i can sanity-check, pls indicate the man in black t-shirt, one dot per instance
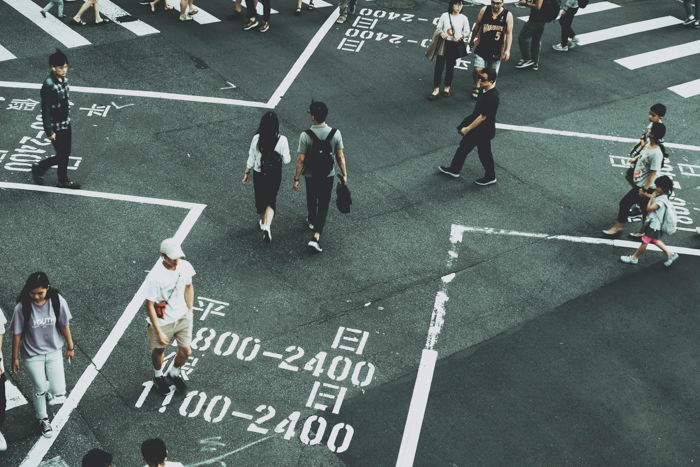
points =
(478, 129)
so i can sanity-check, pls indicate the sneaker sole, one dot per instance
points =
(453, 175)
(491, 182)
(313, 247)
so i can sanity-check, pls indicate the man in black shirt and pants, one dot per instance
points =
(478, 130)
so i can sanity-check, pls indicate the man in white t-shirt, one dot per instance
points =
(169, 302)
(3, 400)
(155, 454)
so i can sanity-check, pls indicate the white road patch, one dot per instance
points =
(655, 57)
(627, 29)
(217, 460)
(5, 54)
(51, 25)
(689, 89)
(13, 395)
(448, 278)
(113, 11)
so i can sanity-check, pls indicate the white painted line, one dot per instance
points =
(149, 94)
(303, 58)
(689, 89)
(654, 57)
(627, 29)
(272, 355)
(460, 229)
(591, 8)
(218, 459)
(52, 25)
(242, 415)
(5, 54)
(202, 17)
(42, 445)
(416, 411)
(13, 395)
(113, 11)
(618, 139)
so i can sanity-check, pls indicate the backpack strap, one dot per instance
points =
(312, 135)
(330, 136)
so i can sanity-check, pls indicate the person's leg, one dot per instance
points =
(564, 23)
(191, 8)
(662, 246)
(55, 373)
(157, 358)
(573, 12)
(96, 7)
(48, 7)
(325, 189)
(63, 149)
(486, 158)
(183, 10)
(183, 353)
(3, 399)
(437, 74)
(465, 146)
(626, 203)
(343, 6)
(311, 200)
(60, 8)
(642, 248)
(449, 72)
(687, 4)
(266, 10)
(536, 43)
(83, 8)
(524, 39)
(36, 367)
(250, 6)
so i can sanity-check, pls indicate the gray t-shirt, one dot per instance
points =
(649, 161)
(656, 217)
(42, 336)
(322, 132)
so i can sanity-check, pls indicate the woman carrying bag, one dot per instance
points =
(40, 328)
(453, 30)
(268, 151)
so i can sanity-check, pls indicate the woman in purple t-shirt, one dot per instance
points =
(40, 328)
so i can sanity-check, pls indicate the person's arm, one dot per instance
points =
(442, 25)
(650, 180)
(509, 37)
(153, 318)
(189, 296)
(340, 156)
(477, 121)
(286, 157)
(536, 4)
(297, 171)
(250, 163)
(16, 340)
(46, 95)
(2, 364)
(477, 25)
(70, 349)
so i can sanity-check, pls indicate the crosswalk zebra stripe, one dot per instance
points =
(113, 11)
(52, 25)
(627, 29)
(202, 17)
(5, 54)
(689, 89)
(659, 56)
(591, 8)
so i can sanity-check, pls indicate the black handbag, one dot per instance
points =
(461, 51)
(342, 196)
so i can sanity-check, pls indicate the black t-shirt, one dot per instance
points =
(487, 105)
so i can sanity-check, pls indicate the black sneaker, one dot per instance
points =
(36, 176)
(536, 67)
(448, 171)
(315, 244)
(179, 383)
(161, 385)
(353, 7)
(43, 13)
(69, 184)
(45, 428)
(483, 181)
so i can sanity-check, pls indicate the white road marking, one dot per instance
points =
(201, 17)
(303, 58)
(5, 54)
(591, 8)
(52, 25)
(13, 395)
(689, 89)
(272, 355)
(42, 445)
(242, 415)
(654, 57)
(627, 29)
(113, 11)
(149, 94)
(223, 456)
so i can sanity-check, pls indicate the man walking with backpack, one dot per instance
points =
(319, 149)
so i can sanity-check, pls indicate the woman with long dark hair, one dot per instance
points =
(268, 151)
(452, 27)
(40, 328)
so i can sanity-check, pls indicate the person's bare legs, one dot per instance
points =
(183, 10)
(83, 8)
(191, 7)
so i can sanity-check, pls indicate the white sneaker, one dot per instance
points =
(689, 20)
(57, 400)
(46, 428)
(671, 259)
(267, 234)
(629, 260)
(311, 226)
(560, 48)
(315, 244)
(3, 443)
(573, 42)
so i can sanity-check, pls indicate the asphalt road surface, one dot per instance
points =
(444, 324)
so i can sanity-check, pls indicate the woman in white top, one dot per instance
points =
(453, 27)
(268, 151)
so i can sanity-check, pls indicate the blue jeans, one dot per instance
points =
(689, 9)
(50, 5)
(529, 39)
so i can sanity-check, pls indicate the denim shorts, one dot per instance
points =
(480, 62)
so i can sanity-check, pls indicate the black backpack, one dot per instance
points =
(270, 161)
(319, 158)
(582, 3)
(55, 304)
(550, 10)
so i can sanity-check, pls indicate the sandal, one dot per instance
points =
(193, 12)
(104, 21)
(186, 18)
(77, 23)
(446, 93)
(167, 8)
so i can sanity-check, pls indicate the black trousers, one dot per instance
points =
(62, 146)
(318, 198)
(3, 399)
(447, 62)
(630, 199)
(266, 187)
(250, 7)
(483, 146)
(565, 21)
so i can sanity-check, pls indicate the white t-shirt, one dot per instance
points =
(3, 321)
(164, 284)
(254, 154)
(171, 464)
(460, 23)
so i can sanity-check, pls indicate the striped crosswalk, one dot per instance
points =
(51, 25)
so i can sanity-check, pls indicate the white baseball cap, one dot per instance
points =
(171, 248)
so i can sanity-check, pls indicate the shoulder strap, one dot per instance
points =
(329, 138)
(312, 135)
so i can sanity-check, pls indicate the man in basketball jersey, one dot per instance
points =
(494, 31)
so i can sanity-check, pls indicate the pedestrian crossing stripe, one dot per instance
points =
(591, 8)
(113, 12)
(13, 396)
(627, 29)
(689, 89)
(5, 54)
(659, 56)
(202, 17)
(52, 25)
